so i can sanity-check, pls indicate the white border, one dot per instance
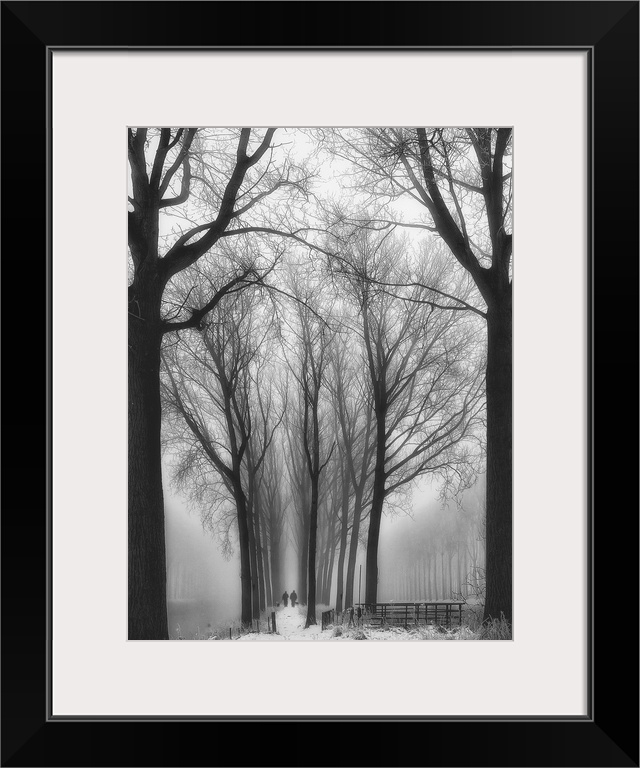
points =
(95, 95)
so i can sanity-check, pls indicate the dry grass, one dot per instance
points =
(496, 629)
(473, 628)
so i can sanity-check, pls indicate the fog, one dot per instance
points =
(322, 369)
(203, 586)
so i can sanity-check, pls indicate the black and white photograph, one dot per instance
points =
(320, 383)
(337, 422)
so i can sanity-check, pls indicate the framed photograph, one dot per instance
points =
(347, 251)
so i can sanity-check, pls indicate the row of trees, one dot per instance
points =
(439, 555)
(361, 394)
(372, 376)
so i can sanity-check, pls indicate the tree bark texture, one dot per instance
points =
(499, 463)
(311, 578)
(377, 502)
(353, 550)
(147, 609)
(245, 555)
(344, 524)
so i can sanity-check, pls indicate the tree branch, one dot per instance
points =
(447, 228)
(197, 314)
(184, 187)
(181, 256)
(182, 156)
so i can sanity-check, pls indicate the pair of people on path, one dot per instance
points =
(293, 597)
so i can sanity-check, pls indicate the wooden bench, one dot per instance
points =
(438, 613)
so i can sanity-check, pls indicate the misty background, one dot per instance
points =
(322, 363)
(203, 586)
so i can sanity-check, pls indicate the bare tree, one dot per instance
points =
(265, 422)
(300, 486)
(353, 405)
(207, 181)
(275, 501)
(308, 369)
(462, 179)
(424, 378)
(212, 378)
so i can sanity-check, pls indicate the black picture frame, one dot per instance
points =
(608, 736)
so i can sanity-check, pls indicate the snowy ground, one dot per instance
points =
(290, 625)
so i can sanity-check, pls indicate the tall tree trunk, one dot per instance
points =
(245, 554)
(371, 569)
(344, 529)
(499, 463)
(332, 558)
(495, 285)
(465, 572)
(375, 516)
(255, 603)
(260, 565)
(329, 554)
(330, 549)
(304, 560)
(264, 550)
(147, 609)
(325, 575)
(267, 576)
(274, 557)
(321, 569)
(353, 549)
(311, 579)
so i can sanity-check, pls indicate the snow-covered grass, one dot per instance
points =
(290, 627)
(419, 632)
(497, 629)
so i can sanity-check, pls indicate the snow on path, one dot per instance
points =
(290, 626)
(290, 621)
